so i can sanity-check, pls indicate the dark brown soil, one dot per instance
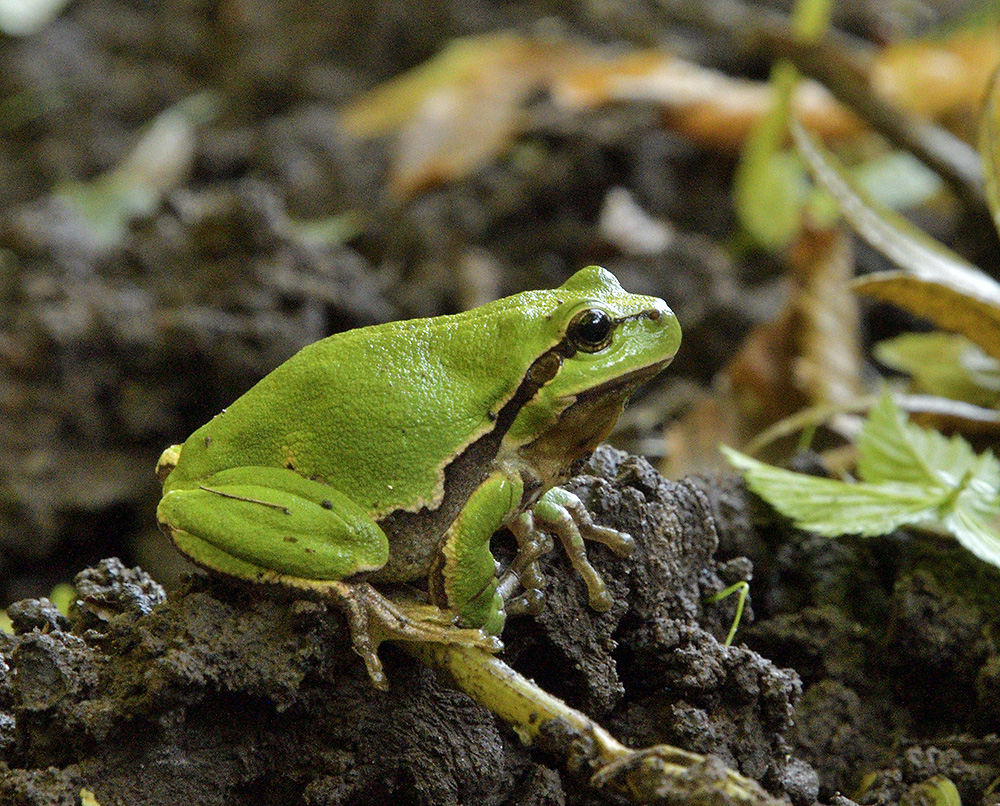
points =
(227, 694)
(224, 694)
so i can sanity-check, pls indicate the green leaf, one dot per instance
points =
(330, 231)
(975, 523)
(811, 19)
(27, 17)
(944, 364)
(892, 449)
(832, 508)
(911, 475)
(160, 160)
(975, 518)
(935, 791)
(897, 179)
(62, 596)
(770, 187)
(770, 190)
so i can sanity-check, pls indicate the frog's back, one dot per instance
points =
(379, 412)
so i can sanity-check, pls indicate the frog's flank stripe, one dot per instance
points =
(468, 470)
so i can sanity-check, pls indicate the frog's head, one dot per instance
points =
(606, 342)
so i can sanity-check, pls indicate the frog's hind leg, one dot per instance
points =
(373, 618)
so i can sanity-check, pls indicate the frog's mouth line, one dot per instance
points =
(629, 379)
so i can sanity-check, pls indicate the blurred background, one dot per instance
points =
(192, 191)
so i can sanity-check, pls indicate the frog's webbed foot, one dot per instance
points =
(373, 618)
(563, 514)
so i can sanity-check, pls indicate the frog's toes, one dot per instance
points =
(601, 600)
(373, 618)
(530, 602)
(374, 667)
(621, 543)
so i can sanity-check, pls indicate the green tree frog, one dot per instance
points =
(391, 454)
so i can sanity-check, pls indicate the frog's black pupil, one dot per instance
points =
(591, 329)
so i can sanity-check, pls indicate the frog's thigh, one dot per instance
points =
(245, 520)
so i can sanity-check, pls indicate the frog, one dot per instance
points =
(373, 468)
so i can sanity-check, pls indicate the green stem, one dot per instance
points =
(743, 587)
(811, 19)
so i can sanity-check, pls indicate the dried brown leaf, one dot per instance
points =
(462, 66)
(989, 146)
(691, 445)
(949, 301)
(460, 109)
(828, 364)
(774, 374)
(709, 106)
(939, 77)
(809, 356)
(935, 282)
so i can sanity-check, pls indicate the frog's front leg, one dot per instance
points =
(563, 514)
(464, 577)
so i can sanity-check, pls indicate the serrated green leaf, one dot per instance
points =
(987, 472)
(884, 453)
(913, 476)
(892, 449)
(832, 508)
(975, 520)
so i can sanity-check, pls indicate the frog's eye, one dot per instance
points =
(590, 330)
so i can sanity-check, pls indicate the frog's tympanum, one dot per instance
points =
(391, 454)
